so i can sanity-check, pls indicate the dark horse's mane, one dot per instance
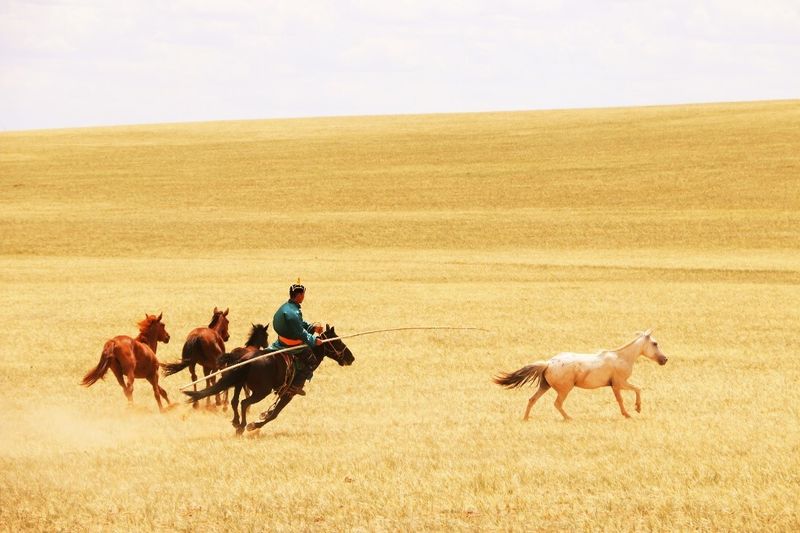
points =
(251, 340)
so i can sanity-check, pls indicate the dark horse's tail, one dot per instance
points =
(186, 357)
(526, 374)
(102, 367)
(229, 379)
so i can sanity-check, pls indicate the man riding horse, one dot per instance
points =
(293, 331)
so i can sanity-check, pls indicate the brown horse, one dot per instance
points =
(204, 346)
(133, 358)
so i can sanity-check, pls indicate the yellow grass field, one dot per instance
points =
(556, 231)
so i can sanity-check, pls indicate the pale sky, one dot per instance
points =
(66, 63)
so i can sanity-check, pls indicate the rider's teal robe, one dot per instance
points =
(288, 322)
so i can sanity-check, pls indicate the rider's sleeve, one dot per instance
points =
(302, 331)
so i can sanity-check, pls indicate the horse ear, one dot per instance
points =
(159, 316)
(226, 311)
(648, 332)
(267, 326)
(216, 310)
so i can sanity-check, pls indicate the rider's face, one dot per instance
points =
(299, 297)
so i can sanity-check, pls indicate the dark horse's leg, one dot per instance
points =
(235, 405)
(256, 397)
(273, 412)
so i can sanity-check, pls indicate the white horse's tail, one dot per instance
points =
(526, 374)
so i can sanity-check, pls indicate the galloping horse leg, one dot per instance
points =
(235, 405)
(163, 393)
(129, 385)
(208, 384)
(273, 412)
(246, 403)
(115, 368)
(618, 395)
(153, 379)
(630, 386)
(193, 372)
(543, 387)
(562, 395)
(217, 397)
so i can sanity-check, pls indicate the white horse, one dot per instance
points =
(566, 370)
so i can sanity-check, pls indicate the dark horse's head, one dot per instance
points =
(259, 336)
(219, 323)
(335, 349)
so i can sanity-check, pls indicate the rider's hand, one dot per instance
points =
(317, 328)
(318, 342)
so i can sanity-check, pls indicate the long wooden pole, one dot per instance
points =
(268, 354)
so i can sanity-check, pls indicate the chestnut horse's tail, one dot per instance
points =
(102, 367)
(526, 374)
(232, 378)
(186, 357)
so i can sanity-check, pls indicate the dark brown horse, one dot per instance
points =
(133, 358)
(270, 374)
(258, 338)
(203, 347)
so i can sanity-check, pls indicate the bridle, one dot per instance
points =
(339, 353)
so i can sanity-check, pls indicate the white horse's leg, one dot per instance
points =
(630, 386)
(562, 395)
(618, 395)
(533, 401)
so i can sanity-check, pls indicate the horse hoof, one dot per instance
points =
(236, 423)
(251, 426)
(239, 430)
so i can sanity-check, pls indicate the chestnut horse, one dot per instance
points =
(608, 368)
(133, 358)
(270, 374)
(203, 346)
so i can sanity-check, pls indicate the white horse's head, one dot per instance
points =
(651, 350)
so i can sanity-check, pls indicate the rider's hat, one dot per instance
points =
(296, 288)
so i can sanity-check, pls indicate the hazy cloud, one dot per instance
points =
(71, 63)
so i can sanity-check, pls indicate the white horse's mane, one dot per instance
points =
(639, 335)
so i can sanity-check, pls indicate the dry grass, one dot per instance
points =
(555, 230)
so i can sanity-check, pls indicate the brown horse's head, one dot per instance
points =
(152, 328)
(219, 323)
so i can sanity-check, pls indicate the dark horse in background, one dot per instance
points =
(203, 347)
(271, 374)
(130, 358)
(258, 338)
